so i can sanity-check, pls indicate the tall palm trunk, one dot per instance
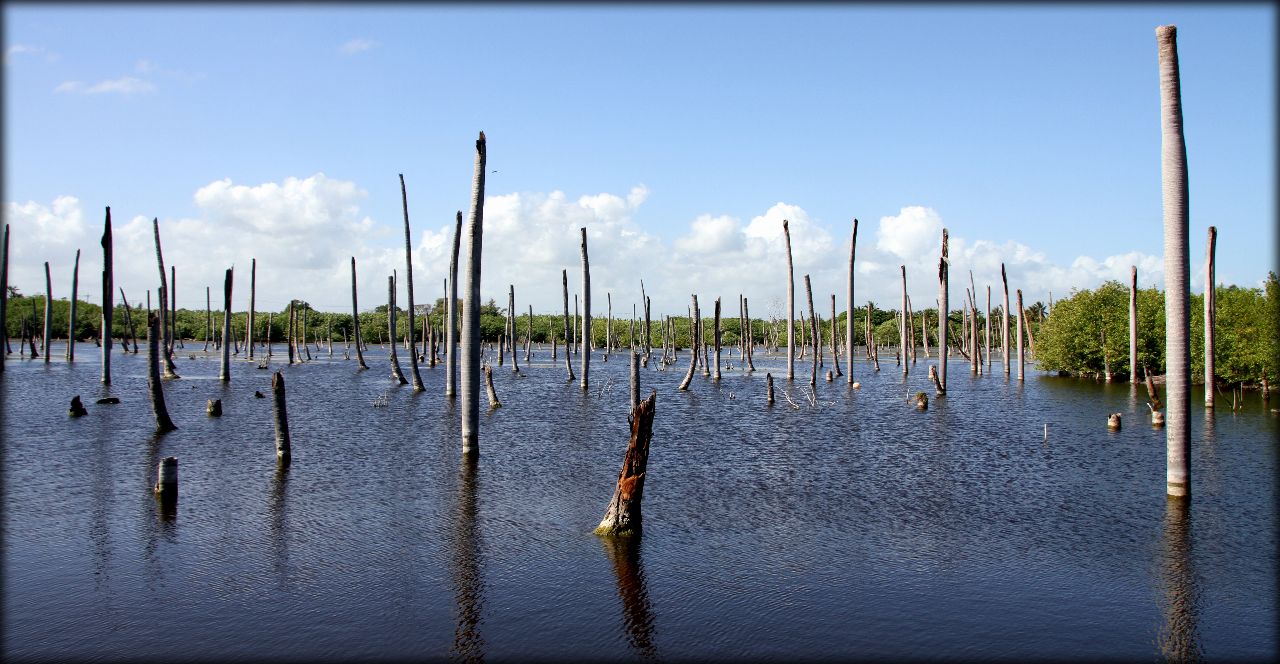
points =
(253, 293)
(1173, 172)
(943, 283)
(224, 373)
(848, 304)
(4, 292)
(71, 314)
(470, 370)
(568, 356)
(1133, 325)
(902, 322)
(355, 317)
(48, 312)
(408, 276)
(791, 306)
(586, 311)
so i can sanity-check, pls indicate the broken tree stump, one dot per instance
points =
(77, 407)
(283, 448)
(622, 516)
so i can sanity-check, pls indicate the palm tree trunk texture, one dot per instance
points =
(1173, 172)
(470, 369)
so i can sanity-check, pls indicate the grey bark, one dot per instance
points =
(1173, 177)
(488, 386)
(813, 324)
(511, 327)
(396, 373)
(1210, 319)
(128, 321)
(71, 314)
(568, 362)
(470, 369)
(170, 371)
(848, 324)
(750, 335)
(1022, 358)
(902, 322)
(224, 374)
(635, 378)
(835, 356)
(791, 306)
(986, 336)
(48, 312)
(208, 318)
(154, 385)
(253, 294)
(451, 328)
(355, 317)
(408, 276)
(1004, 332)
(944, 267)
(693, 342)
(586, 312)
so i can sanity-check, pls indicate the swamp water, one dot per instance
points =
(844, 526)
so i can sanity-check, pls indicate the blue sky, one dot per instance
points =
(680, 136)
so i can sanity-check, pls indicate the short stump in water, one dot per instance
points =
(922, 401)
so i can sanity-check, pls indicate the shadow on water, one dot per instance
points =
(1177, 638)
(277, 508)
(637, 614)
(468, 579)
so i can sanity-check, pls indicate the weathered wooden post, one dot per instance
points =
(1004, 331)
(1173, 171)
(568, 363)
(623, 516)
(1133, 325)
(813, 325)
(408, 275)
(902, 322)
(768, 386)
(1210, 319)
(451, 328)
(284, 450)
(470, 383)
(48, 312)
(166, 488)
(253, 294)
(488, 386)
(944, 266)
(791, 305)
(355, 317)
(693, 343)
(224, 374)
(586, 311)
(396, 374)
(163, 423)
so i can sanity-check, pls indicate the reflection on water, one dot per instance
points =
(1180, 595)
(276, 508)
(468, 580)
(637, 614)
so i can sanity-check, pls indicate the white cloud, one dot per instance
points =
(354, 46)
(124, 85)
(24, 50)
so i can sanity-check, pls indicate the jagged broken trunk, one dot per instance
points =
(622, 517)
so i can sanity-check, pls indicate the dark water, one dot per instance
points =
(849, 526)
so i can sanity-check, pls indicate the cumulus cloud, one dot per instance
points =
(125, 85)
(354, 46)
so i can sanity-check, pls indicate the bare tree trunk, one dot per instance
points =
(1210, 318)
(586, 311)
(451, 328)
(622, 516)
(163, 423)
(1004, 331)
(511, 328)
(284, 450)
(71, 315)
(902, 321)
(355, 317)
(1022, 358)
(813, 324)
(648, 333)
(470, 383)
(172, 290)
(128, 321)
(488, 386)
(635, 379)
(108, 297)
(208, 318)
(608, 328)
(1133, 324)
(944, 265)
(4, 292)
(750, 335)
(576, 325)
(48, 312)
(986, 336)
(289, 334)
(408, 275)
(693, 343)
(716, 338)
(224, 374)
(396, 373)
(253, 294)
(170, 371)
(835, 356)
(568, 363)
(528, 341)
(1173, 168)
(791, 306)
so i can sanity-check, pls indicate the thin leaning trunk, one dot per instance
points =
(1133, 325)
(355, 317)
(848, 323)
(568, 361)
(71, 315)
(1173, 177)
(154, 384)
(396, 373)
(224, 373)
(586, 311)
(944, 267)
(128, 322)
(1210, 319)
(693, 343)
(108, 297)
(791, 305)
(408, 276)
(813, 336)
(470, 369)
(1004, 325)
(170, 371)
(451, 327)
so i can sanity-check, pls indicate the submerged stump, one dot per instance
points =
(622, 516)
(77, 407)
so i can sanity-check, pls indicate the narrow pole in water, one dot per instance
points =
(154, 385)
(253, 293)
(396, 373)
(586, 312)
(791, 306)
(355, 316)
(48, 312)
(71, 315)
(1133, 325)
(108, 298)
(451, 327)
(813, 324)
(408, 276)
(284, 450)
(224, 373)
(1004, 325)
(568, 363)
(1210, 319)
(693, 343)
(943, 287)
(470, 370)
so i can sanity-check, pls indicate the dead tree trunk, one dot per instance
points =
(396, 373)
(635, 378)
(108, 298)
(71, 316)
(1133, 325)
(128, 322)
(470, 378)
(488, 386)
(170, 371)
(288, 335)
(163, 423)
(1210, 318)
(568, 363)
(253, 294)
(408, 275)
(451, 328)
(283, 447)
(693, 342)
(835, 356)
(1022, 358)
(4, 291)
(848, 323)
(944, 265)
(528, 338)
(172, 290)
(986, 336)
(224, 374)
(791, 306)
(355, 317)
(902, 322)
(750, 335)
(622, 516)
(716, 338)
(511, 327)
(1004, 331)
(813, 325)
(48, 312)
(608, 327)
(586, 311)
